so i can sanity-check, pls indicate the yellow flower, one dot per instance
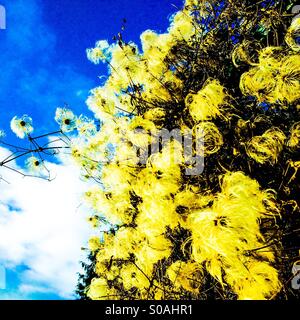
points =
(103, 103)
(86, 127)
(99, 53)
(132, 277)
(222, 233)
(255, 280)
(274, 79)
(292, 34)
(186, 275)
(94, 244)
(209, 103)
(182, 26)
(98, 289)
(267, 147)
(211, 137)
(294, 139)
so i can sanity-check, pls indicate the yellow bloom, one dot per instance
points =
(292, 33)
(94, 243)
(211, 136)
(186, 275)
(182, 26)
(275, 79)
(102, 102)
(294, 139)
(222, 233)
(267, 147)
(209, 103)
(254, 281)
(98, 289)
(99, 53)
(132, 277)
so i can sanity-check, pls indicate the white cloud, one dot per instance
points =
(43, 226)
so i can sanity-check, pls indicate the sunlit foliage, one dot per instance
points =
(231, 69)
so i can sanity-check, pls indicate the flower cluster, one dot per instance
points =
(221, 70)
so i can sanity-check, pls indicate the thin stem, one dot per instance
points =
(12, 146)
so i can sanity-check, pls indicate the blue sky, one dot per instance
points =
(44, 65)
